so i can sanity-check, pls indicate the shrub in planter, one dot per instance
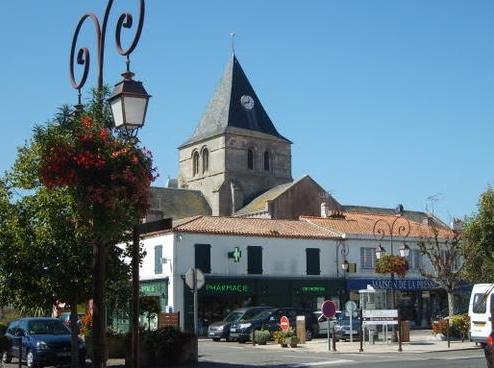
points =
(166, 346)
(292, 341)
(281, 336)
(261, 337)
(459, 326)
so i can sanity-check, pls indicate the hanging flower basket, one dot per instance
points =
(392, 264)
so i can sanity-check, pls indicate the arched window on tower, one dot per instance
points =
(205, 160)
(250, 159)
(195, 163)
(266, 160)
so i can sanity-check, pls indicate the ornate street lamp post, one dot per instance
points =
(399, 227)
(128, 104)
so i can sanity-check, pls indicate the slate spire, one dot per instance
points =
(233, 105)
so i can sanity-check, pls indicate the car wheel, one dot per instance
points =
(308, 335)
(216, 339)
(7, 357)
(30, 360)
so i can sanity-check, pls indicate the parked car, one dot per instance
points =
(343, 330)
(323, 322)
(45, 341)
(65, 318)
(270, 320)
(221, 330)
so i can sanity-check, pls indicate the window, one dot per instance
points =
(250, 159)
(158, 259)
(479, 303)
(205, 160)
(313, 261)
(414, 259)
(367, 258)
(254, 260)
(266, 160)
(195, 163)
(202, 253)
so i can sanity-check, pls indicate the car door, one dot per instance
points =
(11, 334)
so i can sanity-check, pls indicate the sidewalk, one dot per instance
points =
(421, 341)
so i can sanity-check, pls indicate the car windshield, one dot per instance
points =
(251, 313)
(233, 316)
(47, 327)
(262, 315)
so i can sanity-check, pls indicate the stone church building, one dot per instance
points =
(236, 163)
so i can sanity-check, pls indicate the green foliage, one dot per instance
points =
(48, 228)
(3, 328)
(149, 305)
(261, 337)
(281, 336)
(478, 241)
(165, 345)
(389, 263)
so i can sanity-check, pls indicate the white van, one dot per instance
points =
(479, 311)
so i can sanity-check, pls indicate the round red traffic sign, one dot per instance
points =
(328, 309)
(284, 323)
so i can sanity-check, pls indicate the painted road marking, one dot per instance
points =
(327, 362)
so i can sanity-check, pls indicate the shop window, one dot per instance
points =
(266, 160)
(367, 258)
(158, 259)
(250, 159)
(203, 257)
(313, 261)
(254, 260)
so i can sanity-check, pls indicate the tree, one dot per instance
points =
(80, 186)
(478, 241)
(444, 251)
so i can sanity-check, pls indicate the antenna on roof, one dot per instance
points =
(232, 35)
(433, 199)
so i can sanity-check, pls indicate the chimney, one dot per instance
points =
(324, 210)
(399, 210)
(172, 183)
(457, 224)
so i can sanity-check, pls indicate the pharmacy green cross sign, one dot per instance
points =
(235, 255)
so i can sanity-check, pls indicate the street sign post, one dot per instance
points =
(328, 310)
(194, 279)
(284, 323)
(351, 307)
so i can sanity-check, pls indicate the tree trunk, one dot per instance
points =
(74, 330)
(451, 303)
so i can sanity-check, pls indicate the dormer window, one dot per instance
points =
(205, 160)
(250, 159)
(195, 163)
(266, 160)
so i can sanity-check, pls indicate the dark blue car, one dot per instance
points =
(45, 341)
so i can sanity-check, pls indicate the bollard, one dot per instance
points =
(361, 331)
(447, 334)
(400, 349)
(334, 338)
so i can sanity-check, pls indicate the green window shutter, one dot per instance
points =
(203, 257)
(254, 260)
(313, 261)
(158, 259)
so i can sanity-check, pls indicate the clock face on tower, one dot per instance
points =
(247, 102)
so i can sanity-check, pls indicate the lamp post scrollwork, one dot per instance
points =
(128, 105)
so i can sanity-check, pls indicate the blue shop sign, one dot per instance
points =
(399, 284)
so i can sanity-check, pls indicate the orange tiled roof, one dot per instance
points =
(255, 227)
(363, 224)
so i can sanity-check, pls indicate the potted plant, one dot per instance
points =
(389, 263)
(281, 337)
(261, 337)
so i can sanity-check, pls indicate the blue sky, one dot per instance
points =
(386, 101)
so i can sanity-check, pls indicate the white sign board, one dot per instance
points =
(350, 307)
(380, 317)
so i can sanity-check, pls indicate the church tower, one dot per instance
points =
(235, 152)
